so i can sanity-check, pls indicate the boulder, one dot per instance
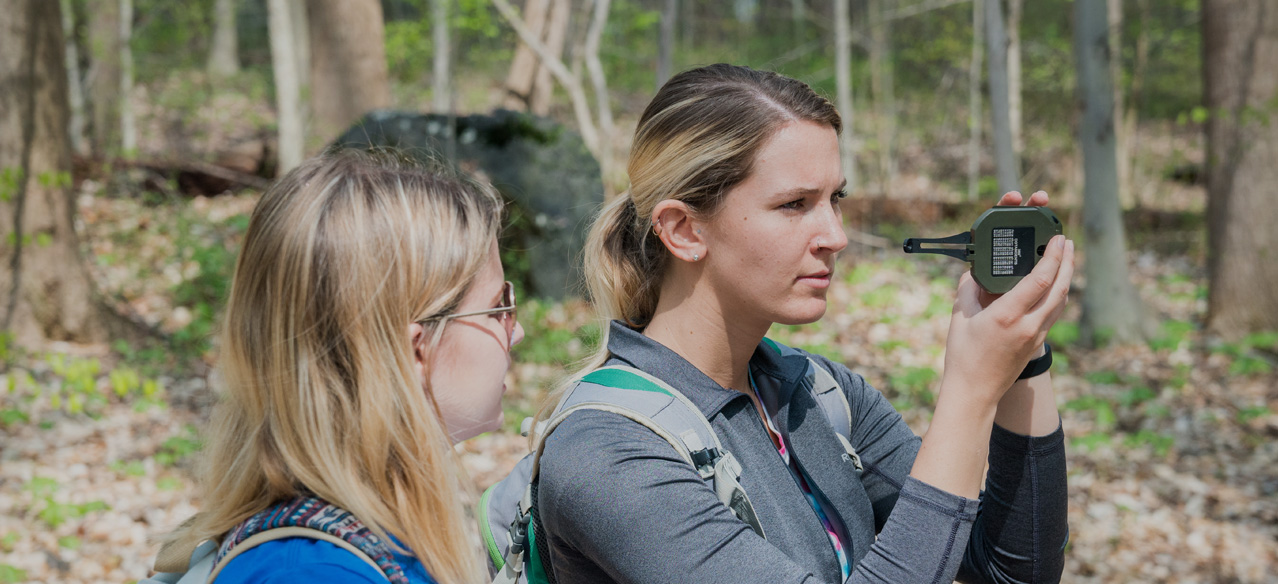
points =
(550, 181)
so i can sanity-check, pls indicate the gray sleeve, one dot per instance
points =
(1021, 531)
(618, 502)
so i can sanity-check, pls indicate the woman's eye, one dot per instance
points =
(793, 205)
(839, 194)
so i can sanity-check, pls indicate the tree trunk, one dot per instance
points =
(288, 91)
(881, 85)
(843, 91)
(348, 63)
(1014, 10)
(523, 67)
(1114, 8)
(974, 106)
(1111, 308)
(1005, 162)
(1240, 48)
(47, 293)
(224, 55)
(104, 76)
(1131, 119)
(556, 34)
(441, 78)
(128, 123)
(75, 88)
(666, 42)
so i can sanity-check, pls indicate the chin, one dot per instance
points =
(806, 313)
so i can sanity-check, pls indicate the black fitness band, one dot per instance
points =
(1039, 365)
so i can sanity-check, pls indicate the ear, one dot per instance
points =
(417, 338)
(679, 230)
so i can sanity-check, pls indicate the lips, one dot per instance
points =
(818, 279)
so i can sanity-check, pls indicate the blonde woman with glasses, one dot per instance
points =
(368, 330)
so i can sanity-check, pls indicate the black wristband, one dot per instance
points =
(1039, 365)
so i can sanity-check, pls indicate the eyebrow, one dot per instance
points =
(805, 191)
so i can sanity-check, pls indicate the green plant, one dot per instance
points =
(1247, 414)
(178, 447)
(54, 513)
(12, 575)
(1136, 396)
(1174, 332)
(1100, 407)
(1160, 443)
(1063, 334)
(1091, 440)
(9, 540)
(914, 384)
(69, 542)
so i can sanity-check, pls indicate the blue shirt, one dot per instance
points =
(311, 561)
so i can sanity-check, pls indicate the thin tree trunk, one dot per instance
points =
(523, 68)
(224, 55)
(1111, 308)
(46, 291)
(75, 88)
(1240, 66)
(104, 76)
(348, 63)
(556, 34)
(288, 96)
(974, 107)
(299, 24)
(1132, 118)
(666, 42)
(1005, 161)
(1014, 10)
(1114, 9)
(603, 99)
(843, 91)
(881, 85)
(128, 123)
(440, 80)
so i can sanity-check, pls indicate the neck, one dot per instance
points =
(713, 339)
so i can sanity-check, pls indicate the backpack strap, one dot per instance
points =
(314, 518)
(829, 396)
(285, 532)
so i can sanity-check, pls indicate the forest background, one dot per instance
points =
(136, 135)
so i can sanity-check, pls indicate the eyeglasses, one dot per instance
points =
(506, 308)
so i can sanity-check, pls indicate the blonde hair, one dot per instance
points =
(322, 396)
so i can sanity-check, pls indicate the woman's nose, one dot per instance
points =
(831, 235)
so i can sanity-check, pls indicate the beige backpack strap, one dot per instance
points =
(284, 532)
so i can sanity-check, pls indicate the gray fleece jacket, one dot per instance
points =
(618, 504)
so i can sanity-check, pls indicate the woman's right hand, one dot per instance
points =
(991, 338)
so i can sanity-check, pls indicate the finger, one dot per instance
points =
(1010, 199)
(1027, 293)
(967, 301)
(1054, 300)
(1038, 199)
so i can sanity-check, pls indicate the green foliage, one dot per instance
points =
(1063, 334)
(171, 35)
(1245, 359)
(1161, 444)
(1247, 414)
(547, 343)
(1091, 441)
(9, 540)
(879, 298)
(10, 179)
(1174, 332)
(69, 542)
(1104, 377)
(132, 468)
(179, 447)
(1136, 396)
(12, 575)
(55, 513)
(913, 385)
(860, 274)
(1101, 408)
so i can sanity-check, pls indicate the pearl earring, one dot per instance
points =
(695, 257)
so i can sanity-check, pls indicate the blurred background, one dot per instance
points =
(136, 136)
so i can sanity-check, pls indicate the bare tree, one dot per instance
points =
(1111, 307)
(441, 77)
(529, 84)
(224, 55)
(1014, 10)
(882, 86)
(1240, 65)
(1005, 162)
(288, 89)
(974, 107)
(128, 122)
(596, 128)
(1114, 9)
(843, 88)
(666, 42)
(104, 76)
(47, 292)
(348, 75)
(75, 86)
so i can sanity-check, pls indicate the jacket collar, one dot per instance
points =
(633, 348)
